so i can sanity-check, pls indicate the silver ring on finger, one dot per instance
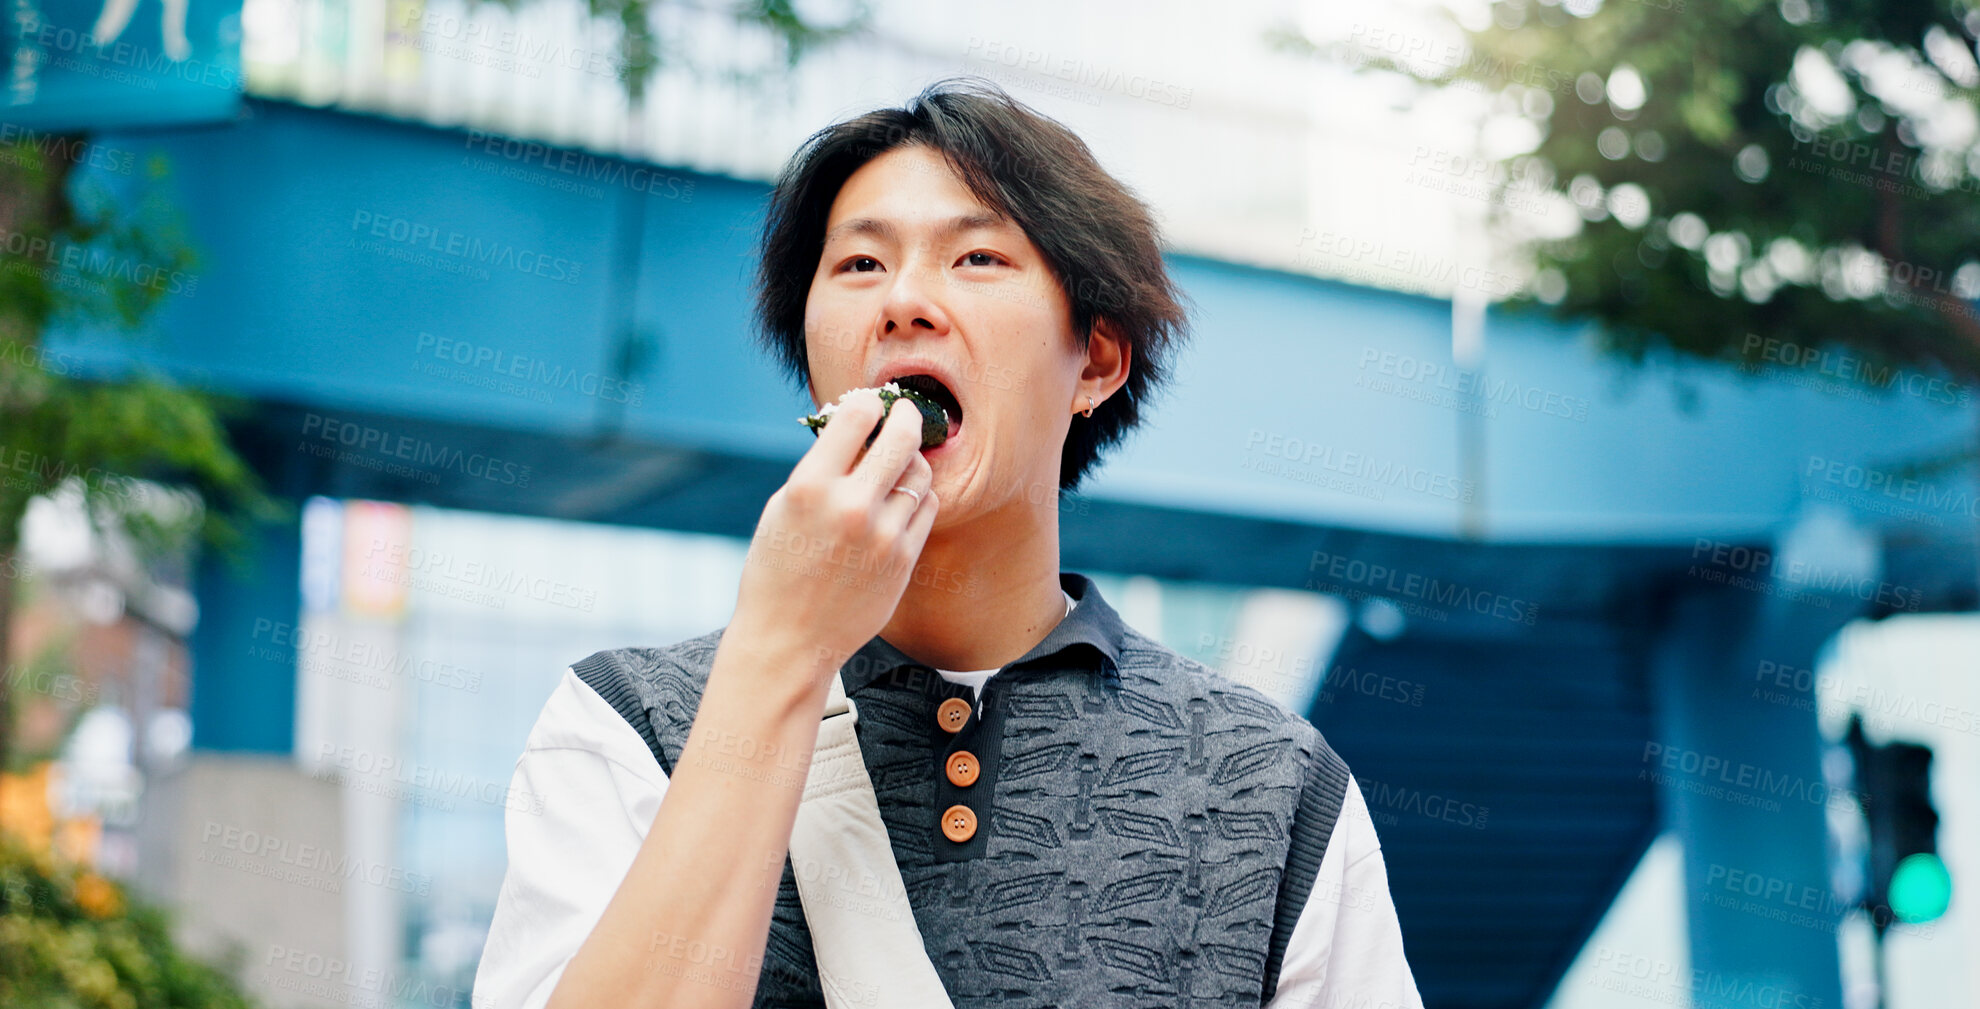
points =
(911, 493)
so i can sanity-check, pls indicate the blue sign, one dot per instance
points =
(74, 65)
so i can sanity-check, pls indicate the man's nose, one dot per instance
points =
(911, 302)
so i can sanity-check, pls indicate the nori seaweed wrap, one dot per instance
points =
(934, 419)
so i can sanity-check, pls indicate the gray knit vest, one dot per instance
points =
(1148, 831)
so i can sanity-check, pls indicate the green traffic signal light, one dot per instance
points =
(1920, 888)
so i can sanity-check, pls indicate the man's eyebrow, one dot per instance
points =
(885, 231)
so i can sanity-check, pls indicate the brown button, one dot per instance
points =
(959, 823)
(963, 768)
(953, 714)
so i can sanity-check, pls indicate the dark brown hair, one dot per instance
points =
(1099, 239)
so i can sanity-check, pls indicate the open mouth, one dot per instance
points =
(932, 387)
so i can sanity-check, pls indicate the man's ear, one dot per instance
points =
(1108, 358)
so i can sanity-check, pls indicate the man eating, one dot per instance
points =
(1077, 815)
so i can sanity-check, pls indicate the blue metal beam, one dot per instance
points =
(359, 264)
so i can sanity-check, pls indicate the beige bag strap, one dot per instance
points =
(869, 949)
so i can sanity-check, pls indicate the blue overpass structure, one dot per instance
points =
(1580, 564)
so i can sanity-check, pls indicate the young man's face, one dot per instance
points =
(919, 278)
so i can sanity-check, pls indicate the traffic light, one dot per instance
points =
(1907, 880)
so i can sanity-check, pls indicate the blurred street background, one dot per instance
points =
(1579, 427)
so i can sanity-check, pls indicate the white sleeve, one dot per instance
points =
(1346, 948)
(585, 792)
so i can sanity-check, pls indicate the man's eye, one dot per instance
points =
(980, 259)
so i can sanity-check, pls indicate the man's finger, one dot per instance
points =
(842, 439)
(896, 448)
(916, 477)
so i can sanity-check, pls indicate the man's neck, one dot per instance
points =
(984, 594)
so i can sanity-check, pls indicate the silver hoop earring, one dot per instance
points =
(1088, 412)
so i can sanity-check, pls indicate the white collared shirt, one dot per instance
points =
(601, 788)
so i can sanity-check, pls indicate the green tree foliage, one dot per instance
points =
(79, 255)
(151, 459)
(1744, 171)
(70, 939)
